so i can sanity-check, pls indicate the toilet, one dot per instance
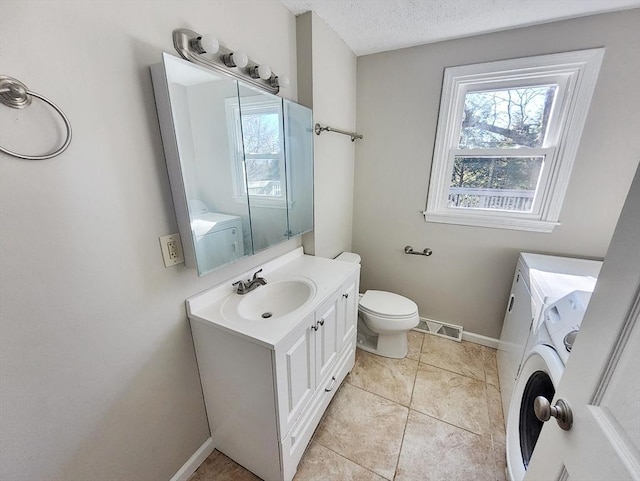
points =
(384, 319)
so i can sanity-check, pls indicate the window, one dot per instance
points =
(260, 158)
(508, 133)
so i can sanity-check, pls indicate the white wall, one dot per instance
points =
(328, 85)
(97, 368)
(467, 279)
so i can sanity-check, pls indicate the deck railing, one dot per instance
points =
(497, 199)
(269, 188)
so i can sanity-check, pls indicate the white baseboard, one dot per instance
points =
(479, 339)
(194, 461)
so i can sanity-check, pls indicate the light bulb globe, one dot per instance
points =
(209, 43)
(283, 81)
(241, 59)
(264, 72)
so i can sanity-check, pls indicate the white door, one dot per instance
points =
(601, 382)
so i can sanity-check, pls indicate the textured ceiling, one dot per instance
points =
(370, 26)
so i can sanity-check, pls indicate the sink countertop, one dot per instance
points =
(326, 274)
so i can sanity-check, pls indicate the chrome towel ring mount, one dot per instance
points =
(16, 95)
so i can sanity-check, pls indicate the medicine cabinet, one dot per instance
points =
(240, 163)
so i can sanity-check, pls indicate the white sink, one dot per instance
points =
(270, 301)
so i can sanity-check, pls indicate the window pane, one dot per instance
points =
(261, 133)
(517, 117)
(263, 176)
(497, 183)
(263, 152)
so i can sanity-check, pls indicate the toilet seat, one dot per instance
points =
(387, 305)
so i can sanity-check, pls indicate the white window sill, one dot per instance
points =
(494, 222)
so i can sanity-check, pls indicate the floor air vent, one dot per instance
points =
(442, 329)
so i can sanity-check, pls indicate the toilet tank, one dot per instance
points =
(349, 257)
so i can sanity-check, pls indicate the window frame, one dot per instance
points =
(576, 74)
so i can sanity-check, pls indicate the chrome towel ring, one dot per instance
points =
(15, 94)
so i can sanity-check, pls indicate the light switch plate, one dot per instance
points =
(171, 250)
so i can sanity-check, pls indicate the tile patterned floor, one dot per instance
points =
(435, 415)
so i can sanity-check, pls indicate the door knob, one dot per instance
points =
(561, 411)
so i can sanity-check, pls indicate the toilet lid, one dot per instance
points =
(388, 304)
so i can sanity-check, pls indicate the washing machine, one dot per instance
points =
(541, 371)
(539, 281)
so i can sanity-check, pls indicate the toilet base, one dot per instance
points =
(395, 346)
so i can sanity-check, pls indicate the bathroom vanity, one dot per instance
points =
(271, 360)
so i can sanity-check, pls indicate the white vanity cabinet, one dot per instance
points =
(306, 388)
(264, 402)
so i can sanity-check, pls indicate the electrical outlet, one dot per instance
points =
(171, 250)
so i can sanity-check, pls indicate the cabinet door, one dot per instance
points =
(326, 333)
(348, 311)
(295, 373)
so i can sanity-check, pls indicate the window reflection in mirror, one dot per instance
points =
(256, 141)
(262, 127)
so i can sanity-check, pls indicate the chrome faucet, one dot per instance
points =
(249, 285)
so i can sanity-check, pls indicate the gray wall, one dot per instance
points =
(97, 369)
(467, 279)
(327, 77)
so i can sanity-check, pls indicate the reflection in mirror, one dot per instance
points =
(262, 128)
(298, 123)
(218, 221)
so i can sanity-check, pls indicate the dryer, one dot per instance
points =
(218, 239)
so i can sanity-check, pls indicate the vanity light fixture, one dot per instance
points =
(205, 50)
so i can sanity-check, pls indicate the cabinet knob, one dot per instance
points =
(346, 296)
(321, 322)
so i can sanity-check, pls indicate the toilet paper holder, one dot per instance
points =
(426, 252)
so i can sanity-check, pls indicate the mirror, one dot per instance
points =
(298, 132)
(240, 163)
